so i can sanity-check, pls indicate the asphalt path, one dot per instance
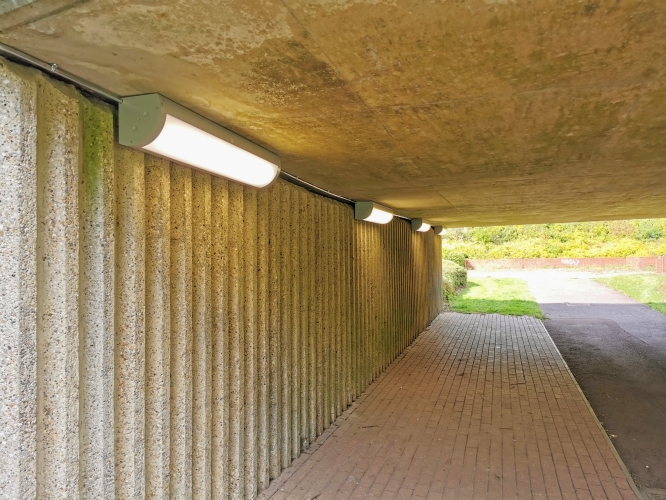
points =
(616, 349)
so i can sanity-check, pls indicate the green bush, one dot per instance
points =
(448, 292)
(454, 277)
(581, 239)
(454, 256)
(647, 230)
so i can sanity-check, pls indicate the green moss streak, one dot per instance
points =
(97, 125)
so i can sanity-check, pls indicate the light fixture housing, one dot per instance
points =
(439, 230)
(420, 226)
(159, 126)
(370, 211)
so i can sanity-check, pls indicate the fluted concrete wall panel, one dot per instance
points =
(220, 338)
(174, 335)
(202, 328)
(158, 328)
(18, 286)
(310, 269)
(250, 338)
(274, 324)
(319, 314)
(304, 293)
(130, 347)
(236, 344)
(181, 332)
(58, 161)
(263, 354)
(285, 324)
(96, 287)
(323, 259)
(295, 323)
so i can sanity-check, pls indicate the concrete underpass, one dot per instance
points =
(170, 331)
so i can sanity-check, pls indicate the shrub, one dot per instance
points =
(454, 277)
(650, 229)
(574, 240)
(454, 256)
(448, 292)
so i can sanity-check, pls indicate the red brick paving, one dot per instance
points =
(479, 406)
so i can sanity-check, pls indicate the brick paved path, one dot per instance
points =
(480, 406)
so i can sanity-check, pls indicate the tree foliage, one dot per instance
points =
(573, 240)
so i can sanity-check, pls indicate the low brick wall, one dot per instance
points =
(640, 263)
(643, 262)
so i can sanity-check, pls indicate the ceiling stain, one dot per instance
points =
(461, 112)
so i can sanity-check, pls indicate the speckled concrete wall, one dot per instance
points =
(166, 334)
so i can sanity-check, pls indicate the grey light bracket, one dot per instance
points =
(417, 224)
(363, 209)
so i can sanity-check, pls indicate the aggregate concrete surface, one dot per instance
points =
(616, 349)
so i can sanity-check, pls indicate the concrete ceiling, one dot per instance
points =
(463, 112)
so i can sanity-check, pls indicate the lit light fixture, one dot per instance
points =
(439, 230)
(420, 226)
(157, 125)
(370, 211)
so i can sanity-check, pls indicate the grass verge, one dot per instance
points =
(496, 295)
(648, 288)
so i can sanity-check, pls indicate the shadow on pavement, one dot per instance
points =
(624, 379)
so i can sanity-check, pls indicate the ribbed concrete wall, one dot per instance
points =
(166, 334)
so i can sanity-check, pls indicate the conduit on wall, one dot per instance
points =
(166, 334)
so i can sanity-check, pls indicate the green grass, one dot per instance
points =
(649, 288)
(496, 295)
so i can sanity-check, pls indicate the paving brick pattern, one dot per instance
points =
(479, 406)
